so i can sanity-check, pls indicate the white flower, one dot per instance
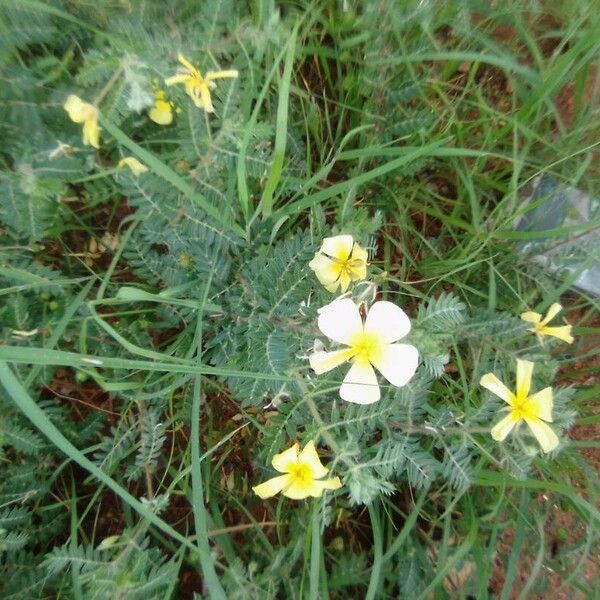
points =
(370, 344)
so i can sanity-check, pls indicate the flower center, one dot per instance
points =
(301, 474)
(366, 346)
(521, 410)
(348, 265)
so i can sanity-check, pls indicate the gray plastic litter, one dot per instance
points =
(579, 254)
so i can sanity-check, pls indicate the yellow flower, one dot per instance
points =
(134, 164)
(540, 327)
(83, 112)
(302, 472)
(371, 344)
(198, 87)
(162, 111)
(339, 261)
(535, 410)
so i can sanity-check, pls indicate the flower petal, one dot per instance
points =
(504, 427)
(137, 168)
(531, 317)
(360, 384)
(76, 108)
(340, 320)
(490, 382)
(272, 486)
(321, 362)
(524, 372)
(397, 363)
(161, 113)
(186, 63)
(91, 132)
(552, 312)
(309, 457)
(562, 333)
(179, 78)
(543, 433)
(298, 489)
(345, 280)
(388, 321)
(281, 462)
(338, 247)
(359, 253)
(206, 99)
(540, 404)
(329, 484)
(210, 75)
(326, 270)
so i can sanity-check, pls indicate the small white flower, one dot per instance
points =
(370, 344)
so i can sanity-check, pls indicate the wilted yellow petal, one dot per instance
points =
(134, 164)
(198, 87)
(91, 132)
(206, 99)
(86, 113)
(186, 63)
(212, 75)
(175, 79)
(79, 111)
(162, 111)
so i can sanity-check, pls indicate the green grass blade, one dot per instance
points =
(315, 552)
(266, 202)
(376, 569)
(344, 186)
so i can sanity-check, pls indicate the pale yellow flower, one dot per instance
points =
(137, 168)
(339, 261)
(162, 111)
(535, 410)
(541, 328)
(371, 344)
(303, 473)
(86, 113)
(198, 87)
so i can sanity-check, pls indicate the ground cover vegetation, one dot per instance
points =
(269, 326)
